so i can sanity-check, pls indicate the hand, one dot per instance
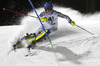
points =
(44, 19)
(72, 23)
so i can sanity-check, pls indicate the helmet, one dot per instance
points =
(48, 5)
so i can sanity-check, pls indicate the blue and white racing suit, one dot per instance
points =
(52, 23)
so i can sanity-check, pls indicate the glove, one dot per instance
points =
(72, 23)
(44, 19)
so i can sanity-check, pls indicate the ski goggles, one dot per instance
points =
(48, 9)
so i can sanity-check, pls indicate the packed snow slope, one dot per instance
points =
(72, 46)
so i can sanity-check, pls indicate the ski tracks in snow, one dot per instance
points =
(92, 42)
(70, 50)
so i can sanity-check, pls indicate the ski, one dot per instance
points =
(31, 54)
(10, 51)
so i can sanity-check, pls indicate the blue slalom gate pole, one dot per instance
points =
(40, 22)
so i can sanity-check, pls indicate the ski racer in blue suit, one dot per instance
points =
(49, 17)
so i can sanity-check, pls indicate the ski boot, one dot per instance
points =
(32, 41)
(16, 44)
(31, 45)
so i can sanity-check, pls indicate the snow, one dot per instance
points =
(72, 46)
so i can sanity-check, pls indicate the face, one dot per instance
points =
(48, 10)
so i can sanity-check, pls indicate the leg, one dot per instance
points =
(42, 36)
(37, 39)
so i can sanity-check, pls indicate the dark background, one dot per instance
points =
(23, 6)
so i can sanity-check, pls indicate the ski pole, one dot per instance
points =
(40, 22)
(19, 13)
(85, 30)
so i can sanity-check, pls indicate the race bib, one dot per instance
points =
(51, 20)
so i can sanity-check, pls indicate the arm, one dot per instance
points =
(43, 19)
(63, 16)
(66, 17)
(42, 14)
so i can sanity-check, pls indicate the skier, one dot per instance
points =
(49, 17)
